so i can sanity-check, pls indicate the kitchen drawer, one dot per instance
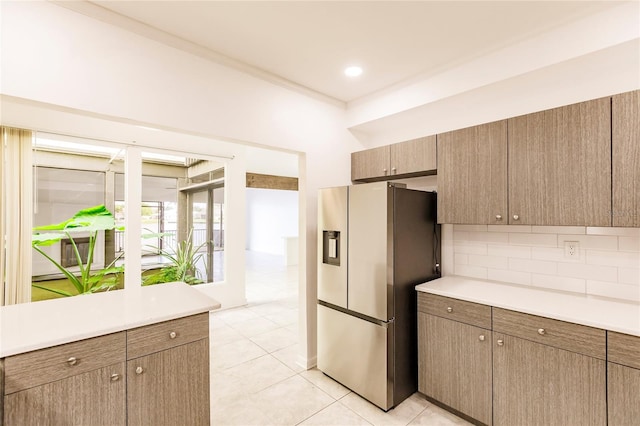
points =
(623, 349)
(146, 340)
(455, 309)
(560, 334)
(35, 368)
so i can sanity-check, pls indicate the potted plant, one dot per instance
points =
(182, 258)
(91, 221)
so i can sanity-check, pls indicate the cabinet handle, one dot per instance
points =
(393, 170)
(500, 342)
(481, 337)
(115, 377)
(498, 217)
(516, 217)
(384, 171)
(72, 361)
(449, 309)
(139, 370)
(542, 331)
(172, 335)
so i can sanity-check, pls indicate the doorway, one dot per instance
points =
(205, 219)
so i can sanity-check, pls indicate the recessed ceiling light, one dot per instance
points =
(353, 71)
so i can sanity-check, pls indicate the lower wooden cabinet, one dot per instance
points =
(624, 395)
(168, 373)
(547, 372)
(455, 365)
(76, 383)
(152, 375)
(623, 379)
(93, 398)
(537, 384)
(506, 368)
(170, 387)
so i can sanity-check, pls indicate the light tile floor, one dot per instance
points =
(254, 376)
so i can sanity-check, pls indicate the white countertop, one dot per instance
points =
(601, 313)
(30, 326)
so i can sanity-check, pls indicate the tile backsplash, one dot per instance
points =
(607, 260)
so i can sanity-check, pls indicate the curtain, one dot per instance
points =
(16, 206)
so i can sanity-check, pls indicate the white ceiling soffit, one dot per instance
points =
(307, 45)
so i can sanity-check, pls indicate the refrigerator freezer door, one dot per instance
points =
(332, 245)
(369, 262)
(355, 353)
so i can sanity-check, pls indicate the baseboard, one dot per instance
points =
(307, 363)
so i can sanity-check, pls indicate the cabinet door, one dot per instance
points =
(624, 395)
(535, 384)
(170, 387)
(472, 175)
(625, 117)
(454, 365)
(414, 156)
(93, 398)
(371, 163)
(560, 166)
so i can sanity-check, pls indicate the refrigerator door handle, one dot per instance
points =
(367, 318)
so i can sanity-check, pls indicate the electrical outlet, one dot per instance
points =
(572, 249)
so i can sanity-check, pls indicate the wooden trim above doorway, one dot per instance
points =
(256, 180)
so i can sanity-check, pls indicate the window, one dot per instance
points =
(72, 177)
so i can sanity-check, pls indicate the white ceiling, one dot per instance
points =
(310, 43)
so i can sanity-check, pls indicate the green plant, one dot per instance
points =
(91, 221)
(183, 259)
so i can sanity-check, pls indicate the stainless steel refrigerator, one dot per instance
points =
(376, 242)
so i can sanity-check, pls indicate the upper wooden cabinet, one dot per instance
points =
(405, 159)
(371, 163)
(560, 166)
(472, 175)
(626, 159)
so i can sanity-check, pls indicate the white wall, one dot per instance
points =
(271, 216)
(66, 73)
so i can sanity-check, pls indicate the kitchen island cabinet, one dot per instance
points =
(416, 157)
(168, 373)
(77, 383)
(137, 357)
(623, 379)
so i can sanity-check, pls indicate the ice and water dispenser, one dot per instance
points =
(331, 247)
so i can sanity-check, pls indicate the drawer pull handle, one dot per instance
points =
(449, 309)
(139, 370)
(72, 361)
(500, 342)
(173, 334)
(516, 217)
(115, 377)
(498, 217)
(542, 331)
(481, 337)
